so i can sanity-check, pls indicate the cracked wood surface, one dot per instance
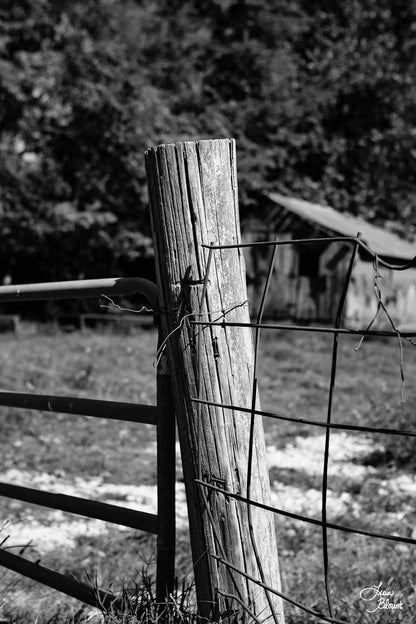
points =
(193, 198)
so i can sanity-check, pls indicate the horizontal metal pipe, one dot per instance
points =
(113, 410)
(55, 580)
(139, 520)
(309, 328)
(78, 289)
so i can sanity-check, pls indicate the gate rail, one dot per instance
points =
(161, 415)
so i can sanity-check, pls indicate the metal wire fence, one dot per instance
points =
(327, 425)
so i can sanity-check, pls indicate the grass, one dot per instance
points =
(372, 489)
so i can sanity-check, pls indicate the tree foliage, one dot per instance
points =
(319, 95)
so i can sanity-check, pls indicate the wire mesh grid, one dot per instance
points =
(327, 425)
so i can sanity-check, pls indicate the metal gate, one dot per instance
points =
(161, 416)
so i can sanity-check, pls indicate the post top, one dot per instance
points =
(184, 144)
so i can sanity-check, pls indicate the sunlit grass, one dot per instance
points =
(294, 379)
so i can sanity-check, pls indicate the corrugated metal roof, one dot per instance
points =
(381, 241)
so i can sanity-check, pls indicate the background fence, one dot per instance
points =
(161, 416)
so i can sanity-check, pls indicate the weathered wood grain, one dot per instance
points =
(193, 198)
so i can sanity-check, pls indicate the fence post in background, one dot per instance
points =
(193, 200)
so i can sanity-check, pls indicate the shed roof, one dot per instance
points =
(381, 241)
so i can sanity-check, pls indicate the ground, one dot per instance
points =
(371, 481)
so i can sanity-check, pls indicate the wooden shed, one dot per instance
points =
(308, 279)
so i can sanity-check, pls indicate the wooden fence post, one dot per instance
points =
(193, 200)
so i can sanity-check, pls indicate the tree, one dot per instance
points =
(319, 95)
(76, 114)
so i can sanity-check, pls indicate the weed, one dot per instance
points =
(136, 603)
